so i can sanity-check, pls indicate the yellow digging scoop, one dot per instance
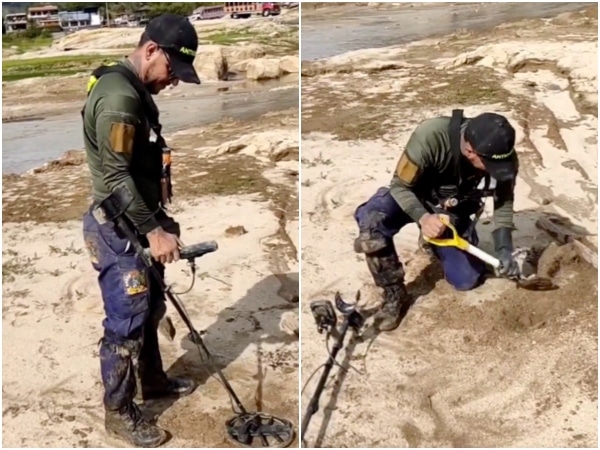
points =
(534, 284)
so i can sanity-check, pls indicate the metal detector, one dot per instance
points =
(326, 320)
(248, 429)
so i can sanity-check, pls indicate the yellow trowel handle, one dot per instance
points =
(458, 242)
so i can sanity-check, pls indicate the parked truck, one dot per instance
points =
(246, 9)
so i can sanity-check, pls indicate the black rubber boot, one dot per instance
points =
(128, 424)
(388, 318)
(388, 274)
(167, 387)
(153, 381)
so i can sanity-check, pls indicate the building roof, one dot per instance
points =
(42, 8)
(74, 15)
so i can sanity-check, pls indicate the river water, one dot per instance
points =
(326, 36)
(31, 143)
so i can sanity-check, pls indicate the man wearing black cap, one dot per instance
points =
(118, 117)
(449, 166)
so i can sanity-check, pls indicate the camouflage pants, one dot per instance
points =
(133, 304)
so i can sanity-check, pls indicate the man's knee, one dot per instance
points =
(370, 239)
(118, 358)
(461, 270)
(466, 283)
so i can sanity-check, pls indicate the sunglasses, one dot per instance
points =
(172, 75)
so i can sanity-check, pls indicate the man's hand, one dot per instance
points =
(431, 226)
(503, 245)
(508, 266)
(163, 246)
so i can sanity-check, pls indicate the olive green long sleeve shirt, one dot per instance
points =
(116, 137)
(427, 163)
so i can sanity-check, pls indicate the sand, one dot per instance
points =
(245, 296)
(493, 367)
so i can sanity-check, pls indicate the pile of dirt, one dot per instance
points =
(521, 311)
(554, 258)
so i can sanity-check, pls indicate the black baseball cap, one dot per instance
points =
(493, 139)
(176, 35)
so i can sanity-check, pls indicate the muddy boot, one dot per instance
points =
(162, 387)
(388, 274)
(388, 318)
(128, 424)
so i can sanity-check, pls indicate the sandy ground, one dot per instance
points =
(494, 367)
(240, 191)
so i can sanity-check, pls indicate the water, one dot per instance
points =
(326, 36)
(28, 144)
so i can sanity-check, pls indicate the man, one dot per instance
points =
(448, 167)
(118, 116)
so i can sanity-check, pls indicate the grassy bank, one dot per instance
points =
(288, 41)
(22, 45)
(230, 37)
(19, 69)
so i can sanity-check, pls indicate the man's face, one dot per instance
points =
(473, 157)
(159, 74)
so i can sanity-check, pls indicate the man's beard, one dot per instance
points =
(152, 88)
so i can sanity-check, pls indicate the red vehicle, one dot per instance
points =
(246, 9)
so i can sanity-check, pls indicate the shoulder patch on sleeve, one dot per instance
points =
(121, 137)
(406, 170)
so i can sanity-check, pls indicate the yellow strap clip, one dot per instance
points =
(454, 241)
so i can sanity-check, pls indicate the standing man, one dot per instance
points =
(118, 116)
(449, 166)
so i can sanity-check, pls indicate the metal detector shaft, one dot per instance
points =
(313, 405)
(177, 304)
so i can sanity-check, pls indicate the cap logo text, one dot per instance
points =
(187, 51)
(503, 155)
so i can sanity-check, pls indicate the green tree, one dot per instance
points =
(33, 31)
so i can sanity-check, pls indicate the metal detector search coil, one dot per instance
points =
(251, 429)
